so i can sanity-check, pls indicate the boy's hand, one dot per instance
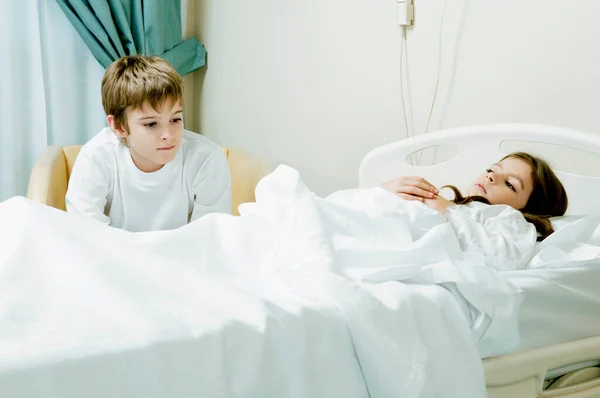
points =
(411, 188)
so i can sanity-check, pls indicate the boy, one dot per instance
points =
(144, 172)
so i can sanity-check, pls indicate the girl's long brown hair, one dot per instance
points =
(548, 198)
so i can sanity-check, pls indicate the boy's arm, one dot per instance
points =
(88, 189)
(212, 187)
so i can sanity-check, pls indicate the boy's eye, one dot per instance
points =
(150, 125)
(489, 171)
(176, 120)
(508, 184)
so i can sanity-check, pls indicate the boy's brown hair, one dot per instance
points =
(132, 81)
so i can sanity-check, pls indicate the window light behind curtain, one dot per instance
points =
(49, 88)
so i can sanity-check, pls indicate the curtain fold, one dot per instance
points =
(50, 88)
(114, 28)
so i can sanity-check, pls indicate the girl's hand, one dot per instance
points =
(438, 203)
(411, 188)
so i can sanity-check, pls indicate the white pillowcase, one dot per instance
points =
(560, 222)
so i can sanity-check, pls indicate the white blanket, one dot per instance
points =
(576, 242)
(298, 297)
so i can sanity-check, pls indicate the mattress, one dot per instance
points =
(560, 305)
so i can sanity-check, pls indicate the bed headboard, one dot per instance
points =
(478, 147)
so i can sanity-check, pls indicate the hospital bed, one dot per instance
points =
(559, 319)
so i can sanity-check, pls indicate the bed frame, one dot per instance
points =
(575, 156)
(478, 147)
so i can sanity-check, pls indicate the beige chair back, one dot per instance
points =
(50, 176)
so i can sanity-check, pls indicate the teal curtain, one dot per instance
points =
(114, 28)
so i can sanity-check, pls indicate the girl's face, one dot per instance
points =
(508, 182)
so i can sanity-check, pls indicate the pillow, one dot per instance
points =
(560, 222)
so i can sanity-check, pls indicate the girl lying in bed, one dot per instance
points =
(524, 188)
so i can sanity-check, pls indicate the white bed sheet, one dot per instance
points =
(559, 305)
(86, 310)
(288, 339)
(561, 286)
(272, 318)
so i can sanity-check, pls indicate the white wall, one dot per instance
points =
(316, 83)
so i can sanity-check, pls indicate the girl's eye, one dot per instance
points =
(508, 184)
(177, 120)
(489, 171)
(150, 125)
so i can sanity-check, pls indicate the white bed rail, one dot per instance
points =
(478, 148)
(525, 371)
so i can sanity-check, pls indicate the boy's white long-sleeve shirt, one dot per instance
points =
(106, 185)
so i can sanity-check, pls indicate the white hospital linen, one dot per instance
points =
(576, 243)
(107, 186)
(559, 303)
(499, 233)
(298, 297)
(561, 296)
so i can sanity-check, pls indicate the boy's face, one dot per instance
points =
(154, 137)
